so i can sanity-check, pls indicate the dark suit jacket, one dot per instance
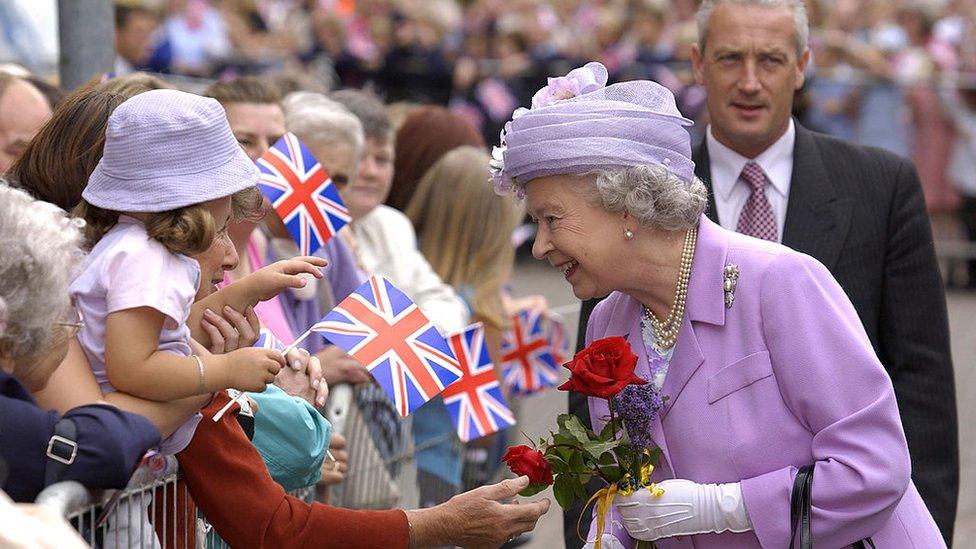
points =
(861, 212)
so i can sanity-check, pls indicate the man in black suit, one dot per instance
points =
(859, 210)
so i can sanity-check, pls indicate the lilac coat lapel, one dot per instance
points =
(705, 304)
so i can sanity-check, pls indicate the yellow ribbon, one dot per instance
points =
(604, 498)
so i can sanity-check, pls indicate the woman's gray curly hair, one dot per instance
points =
(652, 195)
(41, 254)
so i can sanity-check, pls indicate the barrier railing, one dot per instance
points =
(155, 510)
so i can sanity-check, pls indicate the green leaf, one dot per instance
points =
(558, 464)
(571, 424)
(580, 489)
(566, 452)
(612, 427)
(612, 473)
(564, 438)
(576, 463)
(597, 448)
(533, 489)
(565, 490)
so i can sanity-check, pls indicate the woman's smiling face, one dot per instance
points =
(575, 233)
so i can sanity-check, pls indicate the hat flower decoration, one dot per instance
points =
(577, 124)
(579, 81)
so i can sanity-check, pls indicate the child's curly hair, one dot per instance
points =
(189, 230)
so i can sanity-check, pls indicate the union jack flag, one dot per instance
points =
(558, 338)
(267, 340)
(527, 361)
(381, 328)
(475, 401)
(301, 193)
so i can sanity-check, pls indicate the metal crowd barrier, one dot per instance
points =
(117, 519)
(154, 510)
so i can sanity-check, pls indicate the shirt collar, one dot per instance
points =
(776, 161)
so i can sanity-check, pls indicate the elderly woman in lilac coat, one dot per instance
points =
(758, 351)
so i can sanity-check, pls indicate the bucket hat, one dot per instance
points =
(166, 149)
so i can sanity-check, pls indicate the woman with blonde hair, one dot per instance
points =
(465, 232)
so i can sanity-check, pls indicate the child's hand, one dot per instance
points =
(267, 282)
(252, 368)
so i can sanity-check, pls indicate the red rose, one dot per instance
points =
(523, 460)
(603, 369)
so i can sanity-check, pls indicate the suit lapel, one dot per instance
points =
(703, 169)
(817, 219)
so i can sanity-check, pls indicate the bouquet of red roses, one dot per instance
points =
(622, 454)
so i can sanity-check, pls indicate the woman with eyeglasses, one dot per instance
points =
(97, 445)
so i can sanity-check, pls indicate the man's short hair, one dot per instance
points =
(797, 7)
(246, 89)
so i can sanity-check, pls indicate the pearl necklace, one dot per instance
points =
(666, 331)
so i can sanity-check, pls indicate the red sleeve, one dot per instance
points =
(232, 487)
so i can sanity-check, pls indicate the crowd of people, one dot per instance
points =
(877, 71)
(140, 263)
(184, 266)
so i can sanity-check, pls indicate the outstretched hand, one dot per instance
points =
(484, 517)
(269, 281)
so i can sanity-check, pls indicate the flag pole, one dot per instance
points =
(295, 343)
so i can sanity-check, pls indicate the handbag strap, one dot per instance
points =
(800, 511)
(62, 449)
(800, 508)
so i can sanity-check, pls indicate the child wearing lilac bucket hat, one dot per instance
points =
(161, 192)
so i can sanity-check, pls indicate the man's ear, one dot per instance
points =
(801, 67)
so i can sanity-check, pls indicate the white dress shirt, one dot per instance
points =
(731, 194)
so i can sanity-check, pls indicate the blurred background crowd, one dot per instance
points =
(877, 71)
(877, 65)
(896, 74)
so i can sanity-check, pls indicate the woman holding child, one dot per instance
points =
(245, 506)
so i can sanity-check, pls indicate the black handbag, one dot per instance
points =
(800, 511)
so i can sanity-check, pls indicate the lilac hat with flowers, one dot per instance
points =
(166, 149)
(577, 124)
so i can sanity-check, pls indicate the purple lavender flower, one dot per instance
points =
(638, 405)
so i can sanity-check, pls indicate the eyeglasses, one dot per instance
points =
(73, 321)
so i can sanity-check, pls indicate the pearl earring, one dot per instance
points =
(628, 234)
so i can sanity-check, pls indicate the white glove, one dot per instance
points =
(608, 541)
(684, 509)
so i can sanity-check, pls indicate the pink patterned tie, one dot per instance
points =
(757, 217)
